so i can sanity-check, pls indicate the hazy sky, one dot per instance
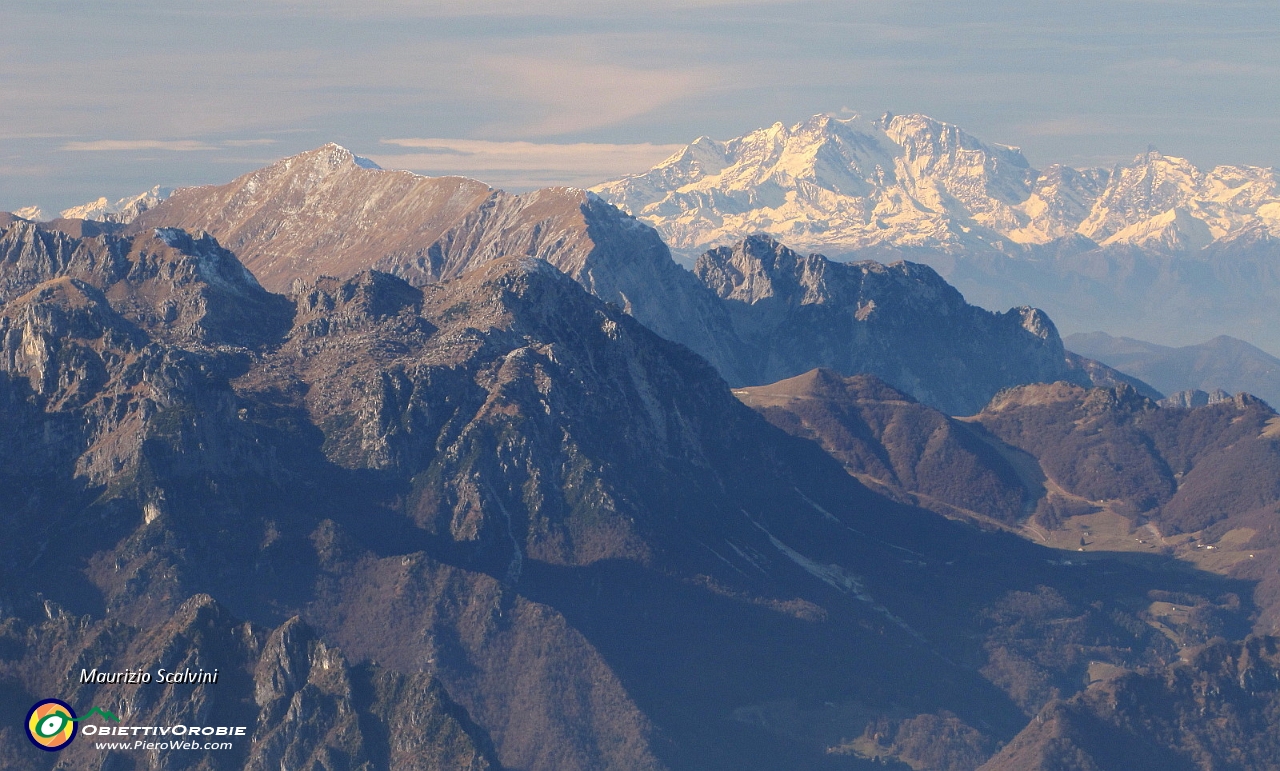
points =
(109, 97)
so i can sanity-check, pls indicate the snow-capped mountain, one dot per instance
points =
(123, 211)
(33, 213)
(910, 182)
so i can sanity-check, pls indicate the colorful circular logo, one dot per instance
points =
(51, 725)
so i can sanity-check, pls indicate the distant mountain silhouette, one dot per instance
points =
(1223, 363)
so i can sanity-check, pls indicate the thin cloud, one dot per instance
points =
(118, 145)
(524, 164)
(577, 91)
(248, 142)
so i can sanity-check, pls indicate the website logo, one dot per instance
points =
(51, 724)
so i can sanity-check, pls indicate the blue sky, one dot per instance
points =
(110, 98)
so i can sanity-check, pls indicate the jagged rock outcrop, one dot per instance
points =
(1194, 398)
(179, 288)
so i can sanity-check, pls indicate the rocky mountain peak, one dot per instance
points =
(192, 288)
(368, 297)
(1037, 322)
(330, 156)
(322, 212)
(749, 271)
(1152, 184)
(759, 268)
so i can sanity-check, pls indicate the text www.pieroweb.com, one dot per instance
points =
(165, 738)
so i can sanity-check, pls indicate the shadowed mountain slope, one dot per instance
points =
(1183, 468)
(1088, 470)
(501, 487)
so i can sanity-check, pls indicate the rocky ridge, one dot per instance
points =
(329, 212)
(901, 322)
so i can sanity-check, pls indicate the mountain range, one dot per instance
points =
(909, 181)
(1155, 247)
(443, 477)
(758, 312)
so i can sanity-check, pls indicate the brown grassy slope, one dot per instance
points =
(878, 432)
(1183, 469)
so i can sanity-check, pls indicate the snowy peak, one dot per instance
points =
(335, 155)
(1152, 184)
(123, 211)
(1156, 192)
(908, 180)
(1061, 198)
(934, 150)
(1175, 230)
(33, 213)
(904, 182)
